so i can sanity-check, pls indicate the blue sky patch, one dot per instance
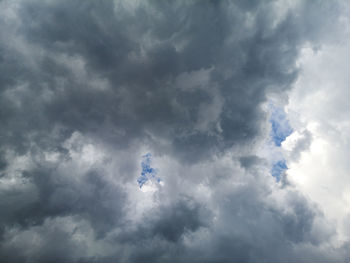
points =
(278, 169)
(147, 173)
(280, 128)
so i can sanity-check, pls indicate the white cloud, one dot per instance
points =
(320, 104)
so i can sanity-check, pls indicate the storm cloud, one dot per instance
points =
(88, 88)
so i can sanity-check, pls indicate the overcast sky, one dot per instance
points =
(174, 131)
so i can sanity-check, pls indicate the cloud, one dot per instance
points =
(318, 103)
(135, 84)
(88, 88)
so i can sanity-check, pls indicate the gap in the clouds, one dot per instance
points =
(148, 173)
(280, 130)
(278, 169)
(280, 127)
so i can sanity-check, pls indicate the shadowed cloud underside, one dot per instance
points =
(87, 88)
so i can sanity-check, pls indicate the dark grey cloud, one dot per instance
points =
(141, 57)
(86, 87)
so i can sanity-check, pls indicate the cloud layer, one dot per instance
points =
(87, 89)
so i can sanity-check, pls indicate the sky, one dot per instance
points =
(174, 131)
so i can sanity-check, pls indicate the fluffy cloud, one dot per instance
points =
(320, 95)
(89, 88)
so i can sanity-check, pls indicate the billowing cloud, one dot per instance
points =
(90, 91)
(320, 96)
